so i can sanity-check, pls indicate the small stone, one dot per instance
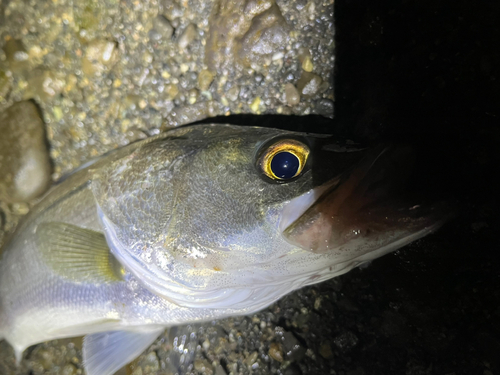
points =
(205, 78)
(254, 106)
(203, 366)
(187, 36)
(307, 64)
(147, 58)
(192, 96)
(71, 83)
(68, 370)
(309, 84)
(250, 360)
(206, 345)
(137, 371)
(233, 93)
(219, 370)
(24, 158)
(325, 350)
(171, 91)
(276, 352)
(324, 107)
(150, 363)
(163, 27)
(171, 9)
(317, 303)
(292, 95)
(43, 85)
(58, 113)
(100, 55)
(16, 55)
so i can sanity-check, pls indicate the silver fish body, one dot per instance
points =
(193, 225)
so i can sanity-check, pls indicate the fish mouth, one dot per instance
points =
(363, 210)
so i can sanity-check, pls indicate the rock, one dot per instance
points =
(244, 32)
(250, 360)
(43, 84)
(69, 370)
(276, 352)
(309, 84)
(171, 9)
(24, 158)
(203, 367)
(324, 107)
(326, 350)
(100, 56)
(292, 95)
(266, 36)
(187, 36)
(163, 27)
(305, 59)
(233, 93)
(205, 78)
(16, 55)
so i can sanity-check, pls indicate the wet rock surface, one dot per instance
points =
(24, 157)
(81, 62)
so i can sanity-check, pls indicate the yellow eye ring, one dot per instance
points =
(284, 159)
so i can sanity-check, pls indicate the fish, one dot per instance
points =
(198, 223)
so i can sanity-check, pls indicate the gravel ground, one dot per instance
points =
(423, 73)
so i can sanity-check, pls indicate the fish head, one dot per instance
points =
(233, 218)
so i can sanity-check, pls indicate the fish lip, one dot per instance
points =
(291, 213)
(361, 203)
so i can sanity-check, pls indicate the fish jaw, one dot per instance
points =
(358, 215)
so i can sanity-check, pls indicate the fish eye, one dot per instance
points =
(284, 160)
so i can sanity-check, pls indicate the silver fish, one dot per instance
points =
(196, 224)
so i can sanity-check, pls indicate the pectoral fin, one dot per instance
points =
(78, 254)
(105, 353)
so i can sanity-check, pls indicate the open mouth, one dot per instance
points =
(362, 208)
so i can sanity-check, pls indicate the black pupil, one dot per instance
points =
(285, 165)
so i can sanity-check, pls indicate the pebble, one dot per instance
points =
(292, 96)
(203, 366)
(307, 64)
(309, 84)
(250, 360)
(187, 36)
(16, 55)
(25, 165)
(324, 107)
(163, 27)
(254, 106)
(100, 55)
(205, 78)
(43, 85)
(325, 350)
(233, 93)
(247, 33)
(276, 352)
(69, 369)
